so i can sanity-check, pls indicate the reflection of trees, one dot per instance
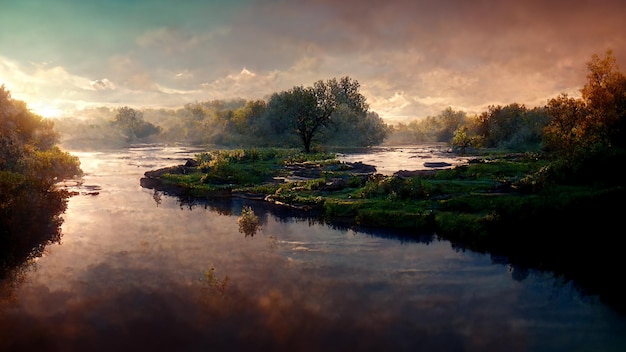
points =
(158, 197)
(248, 221)
(263, 210)
(222, 206)
(29, 221)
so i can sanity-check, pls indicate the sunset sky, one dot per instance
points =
(412, 58)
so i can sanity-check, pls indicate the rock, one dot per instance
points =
(414, 173)
(166, 170)
(359, 167)
(335, 184)
(436, 164)
(191, 163)
(174, 170)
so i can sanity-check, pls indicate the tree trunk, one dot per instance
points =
(307, 144)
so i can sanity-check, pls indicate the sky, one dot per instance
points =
(412, 58)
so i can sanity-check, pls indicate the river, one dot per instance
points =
(138, 270)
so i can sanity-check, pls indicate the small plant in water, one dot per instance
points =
(248, 221)
(213, 282)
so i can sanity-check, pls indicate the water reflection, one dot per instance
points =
(141, 270)
(390, 159)
(30, 220)
(248, 221)
(158, 197)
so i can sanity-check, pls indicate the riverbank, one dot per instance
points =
(502, 205)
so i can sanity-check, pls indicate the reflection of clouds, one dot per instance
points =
(128, 276)
(117, 310)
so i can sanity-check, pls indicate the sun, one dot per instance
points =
(46, 111)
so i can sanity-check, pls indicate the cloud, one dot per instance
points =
(471, 54)
(433, 54)
(102, 84)
(42, 86)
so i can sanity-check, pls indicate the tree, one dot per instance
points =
(563, 135)
(605, 96)
(28, 145)
(371, 129)
(308, 110)
(128, 121)
(132, 124)
(349, 129)
(506, 126)
(247, 121)
(462, 140)
(594, 124)
(309, 113)
(277, 124)
(451, 121)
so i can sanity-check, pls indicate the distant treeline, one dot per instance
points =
(333, 113)
(511, 127)
(566, 127)
(329, 113)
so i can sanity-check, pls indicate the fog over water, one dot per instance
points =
(140, 270)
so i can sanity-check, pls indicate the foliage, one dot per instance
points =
(513, 127)
(30, 164)
(248, 221)
(237, 123)
(461, 140)
(212, 283)
(299, 157)
(132, 125)
(587, 134)
(439, 128)
(309, 110)
(395, 188)
(564, 136)
(348, 129)
(242, 169)
(28, 144)
(605, 97)
(51, 164)
(30, 219)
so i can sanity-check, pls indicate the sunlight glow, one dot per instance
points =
(46, 111)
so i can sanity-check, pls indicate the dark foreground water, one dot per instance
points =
(142, 271)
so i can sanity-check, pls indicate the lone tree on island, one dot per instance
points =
(311, 108)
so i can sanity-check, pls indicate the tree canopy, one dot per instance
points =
(595, 123)
(131, 123)
(308, 110)
(28, 144)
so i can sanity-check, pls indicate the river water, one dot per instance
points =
(140, 270)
